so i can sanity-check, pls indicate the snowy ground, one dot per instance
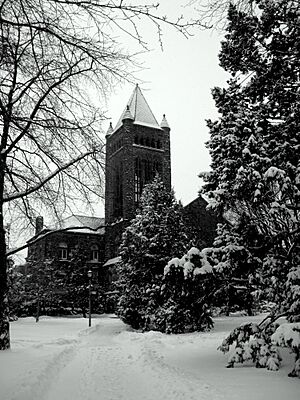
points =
(59, 359)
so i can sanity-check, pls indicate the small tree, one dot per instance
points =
(16, 292)
(155, 235)
(40, 282)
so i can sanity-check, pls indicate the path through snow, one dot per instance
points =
(109, 364)
(106, 362)
(60, 359)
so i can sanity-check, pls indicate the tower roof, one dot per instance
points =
(109, 130)
(139, 110)
(127, 114)
(164, 122)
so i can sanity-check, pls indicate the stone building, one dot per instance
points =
(137, 148)
(60, 242)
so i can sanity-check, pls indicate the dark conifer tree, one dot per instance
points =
(155, 235)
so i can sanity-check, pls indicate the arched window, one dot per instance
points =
(152, 143)
(118, 191)
(63, 251)
(136, 140)
(142, 141)
(147, 142)
(94, 253)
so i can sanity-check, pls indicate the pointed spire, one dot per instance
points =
(109, 130)
(164, 122)
(139, 111)
(127, 114)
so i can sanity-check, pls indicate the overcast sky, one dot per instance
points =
(177, 82)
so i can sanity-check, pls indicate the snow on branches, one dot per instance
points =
(288, 335)
(252, 343)
(259, 344)
(186, 288)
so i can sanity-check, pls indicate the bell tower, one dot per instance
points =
(136, 149)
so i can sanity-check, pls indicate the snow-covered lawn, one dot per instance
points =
(60, 359)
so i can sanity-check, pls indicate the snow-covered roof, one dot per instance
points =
(90, 224)
(139, 110)
(112, 261)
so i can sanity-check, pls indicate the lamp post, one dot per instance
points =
(90, 296)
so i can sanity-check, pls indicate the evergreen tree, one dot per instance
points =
(40, 283)
(76, 284)
(187, 292)
(155, 235)
(234, 266)
(255, 178)
(16, 293)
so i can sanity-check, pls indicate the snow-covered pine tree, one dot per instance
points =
(187, 291)
(155, 235)
(255, 144)
(234, 270)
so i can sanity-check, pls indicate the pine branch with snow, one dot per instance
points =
(252, 342)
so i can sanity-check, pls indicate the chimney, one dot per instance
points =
(39, 224)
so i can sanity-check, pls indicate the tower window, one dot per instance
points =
(137, 180)
(62, 251)
(118, 191)
(144, 172)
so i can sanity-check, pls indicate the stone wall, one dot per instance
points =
(48, 248)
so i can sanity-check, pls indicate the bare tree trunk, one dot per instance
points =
(4, 324)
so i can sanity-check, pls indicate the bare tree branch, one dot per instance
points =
(45, 180)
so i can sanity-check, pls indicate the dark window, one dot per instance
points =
(94, 253)
(62, 251)
(145, 171)
(157, 167)
(118, 192)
